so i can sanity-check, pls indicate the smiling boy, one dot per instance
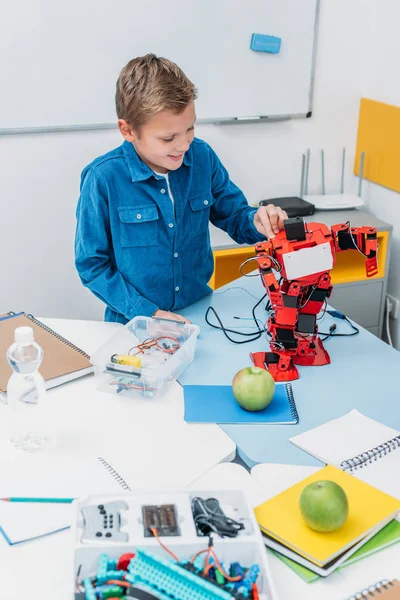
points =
(142, 240)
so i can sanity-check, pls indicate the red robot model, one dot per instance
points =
(303, 255)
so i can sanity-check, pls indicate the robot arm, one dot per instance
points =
(363, 239)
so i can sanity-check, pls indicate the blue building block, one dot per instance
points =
(172, 579)
(251, 576)
(110, 575)
(90, 594)
(102, 566)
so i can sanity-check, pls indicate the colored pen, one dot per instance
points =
(49, 500)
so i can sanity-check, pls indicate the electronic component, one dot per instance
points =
(126, 359)
(163, 518)
(209, 517)
(295, 229)
(149, 577)
(124, 369)
(103, 522)
(172, 579)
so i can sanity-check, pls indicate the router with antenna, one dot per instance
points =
(326, 201)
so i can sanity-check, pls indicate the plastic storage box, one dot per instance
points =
(166, 349)
(96, 555)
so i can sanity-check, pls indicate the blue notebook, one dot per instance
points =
(216, 404)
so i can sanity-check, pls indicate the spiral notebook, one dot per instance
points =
(385, 590)
(62, 360)
(34, 476)
(216, 404)
(367, 449)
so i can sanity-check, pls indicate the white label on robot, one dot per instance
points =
(308, 261)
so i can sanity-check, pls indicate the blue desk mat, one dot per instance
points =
(363, 374)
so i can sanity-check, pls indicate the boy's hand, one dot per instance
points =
(165, 314)
(268, 220)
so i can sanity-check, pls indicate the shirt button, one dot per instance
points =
(170, 225)
(162, 190)
(177, 288)
(206, 202)
(138, 216)
(176, 255)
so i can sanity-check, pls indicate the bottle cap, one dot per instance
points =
(23, 335)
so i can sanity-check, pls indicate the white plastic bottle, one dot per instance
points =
(25, 390)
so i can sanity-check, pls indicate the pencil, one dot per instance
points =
(49, 500)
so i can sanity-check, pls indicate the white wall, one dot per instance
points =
(384, 86)
(40, 173)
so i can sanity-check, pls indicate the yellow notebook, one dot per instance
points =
(369, 510)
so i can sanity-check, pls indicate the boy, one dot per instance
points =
(142, 240)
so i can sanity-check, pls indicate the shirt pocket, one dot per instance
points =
(200, 212)
(139, 225)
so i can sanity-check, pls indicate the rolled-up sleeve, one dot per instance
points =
(231, 211)
(94, 258)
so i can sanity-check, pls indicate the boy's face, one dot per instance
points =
(163, 140)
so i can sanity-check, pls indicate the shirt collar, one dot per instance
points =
(138, 169)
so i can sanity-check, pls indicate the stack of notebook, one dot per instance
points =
(371, 512)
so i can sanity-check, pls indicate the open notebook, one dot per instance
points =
(367, 449)
(62, 360)
(34, 476)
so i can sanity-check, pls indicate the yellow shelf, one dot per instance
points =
(349, 267)
(227, 265)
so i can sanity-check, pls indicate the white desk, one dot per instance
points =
(267, 480)
(151, 443)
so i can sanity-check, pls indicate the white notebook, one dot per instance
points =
(360, 445)
(33, 476)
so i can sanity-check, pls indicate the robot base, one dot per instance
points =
(281, 365)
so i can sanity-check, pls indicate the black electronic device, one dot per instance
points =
(292, 205)
(295, 229)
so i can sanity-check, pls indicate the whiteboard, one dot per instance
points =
(60, 60)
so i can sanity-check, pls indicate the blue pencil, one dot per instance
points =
(49, 500)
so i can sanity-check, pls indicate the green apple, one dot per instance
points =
(253, 388)
(324, 506)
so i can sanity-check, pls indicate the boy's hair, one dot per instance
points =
(149, 84)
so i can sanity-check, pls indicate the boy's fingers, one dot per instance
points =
(272, 213)
(282, 216)
(264, 219)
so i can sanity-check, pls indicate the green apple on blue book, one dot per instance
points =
(253, 388)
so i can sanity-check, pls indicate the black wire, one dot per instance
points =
(253, 335)
(331, 334)
(209, 517)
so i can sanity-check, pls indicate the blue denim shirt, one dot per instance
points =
(139, 252)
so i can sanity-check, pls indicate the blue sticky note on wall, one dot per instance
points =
(265, 43)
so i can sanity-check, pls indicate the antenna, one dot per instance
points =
(342, 178)
(307, 171)
(360, 181)
(323, 171)
(303, 172)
